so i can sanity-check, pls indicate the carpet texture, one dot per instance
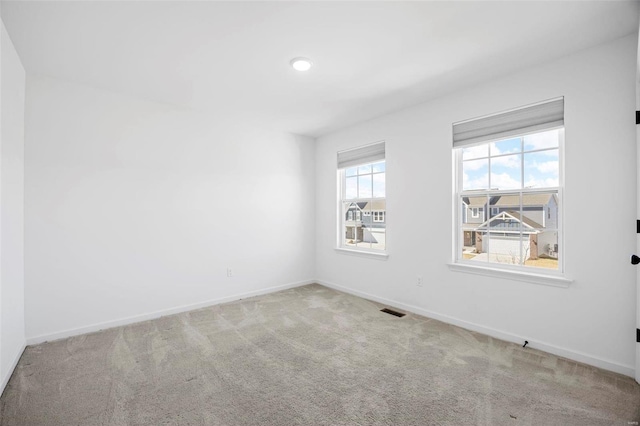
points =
(306, 356)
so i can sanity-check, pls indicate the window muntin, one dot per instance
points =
(517, 180)
(363, 207)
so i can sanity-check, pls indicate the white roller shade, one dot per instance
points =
(534, 118)
(361, 155)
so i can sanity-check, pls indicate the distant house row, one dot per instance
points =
(363, 219)
(502, 219)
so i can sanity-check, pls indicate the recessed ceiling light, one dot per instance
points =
(301, 64)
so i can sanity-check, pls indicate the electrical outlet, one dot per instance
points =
(229, 272)
(419, 281)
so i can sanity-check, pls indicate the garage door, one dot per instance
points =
(507, 246)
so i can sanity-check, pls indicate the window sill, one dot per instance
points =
(550, 280)
(362, 253)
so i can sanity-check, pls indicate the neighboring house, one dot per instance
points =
(473, 214)
(363, 217)
(538, 224)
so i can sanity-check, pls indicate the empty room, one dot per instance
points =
(319, 213)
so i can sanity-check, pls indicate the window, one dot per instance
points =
(511, 164)
(378, 216)
(362, 178)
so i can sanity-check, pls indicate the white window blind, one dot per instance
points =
(361, 155)
(533, 118)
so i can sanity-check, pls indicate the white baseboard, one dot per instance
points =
(627, 370)
(157, 314)
(12, 367)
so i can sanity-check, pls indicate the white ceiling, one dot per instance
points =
(370, 58)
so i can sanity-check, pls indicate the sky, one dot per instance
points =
(540, 168)
(366, 181)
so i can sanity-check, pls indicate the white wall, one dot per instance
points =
(592, 320)
(135, 208)
(12, 328)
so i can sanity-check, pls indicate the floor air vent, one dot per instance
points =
(392, 312)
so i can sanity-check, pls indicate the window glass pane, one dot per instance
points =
(468, 244)
(363, 214)
(506, 146)
(378, 167)
(351, 171)
(541, 140)
(471, 244)
(475, 152)
(363, 170)
(351, 188)
(507, 221)
(552, 208)
(480, 255)
(506, 172)
(543, 249)
(502, 247)
(349, 211)
(365, 208)
(540, 210)
(377, 225)
(506, 203)
(378, 238)
(349, 224)
(379, 185)
(475, 174)
(473, 210)
(541, 169)
(364, 186)
(364, 237)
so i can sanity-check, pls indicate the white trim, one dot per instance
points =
(354, 252)
(12, 367)
(458, 216)
(519, 275)
(627, 370)
(346, 216)
(157, 314)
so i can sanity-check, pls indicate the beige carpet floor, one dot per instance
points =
(306, 356)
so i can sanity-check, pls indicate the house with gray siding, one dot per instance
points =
(365, 219)
(537, 222)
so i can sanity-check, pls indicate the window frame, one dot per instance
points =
(341, 219)
(519, 272)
